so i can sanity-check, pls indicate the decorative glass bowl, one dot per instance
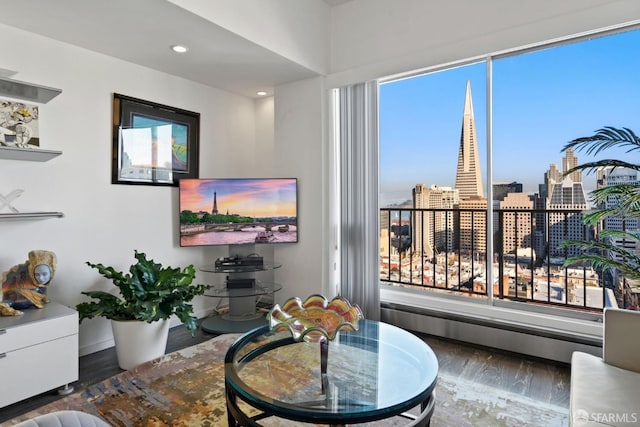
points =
(316, 319)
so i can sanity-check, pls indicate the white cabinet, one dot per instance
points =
(38, 351)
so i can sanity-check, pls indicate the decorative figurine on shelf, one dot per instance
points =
(7, 310)
(25, 285)
(42, 265)
(19, 124)
(5, 200)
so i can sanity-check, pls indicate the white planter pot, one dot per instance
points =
(138, 342)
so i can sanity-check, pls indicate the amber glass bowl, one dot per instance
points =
(315, 319)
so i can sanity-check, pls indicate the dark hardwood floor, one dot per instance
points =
(542, 380)
(539, 379)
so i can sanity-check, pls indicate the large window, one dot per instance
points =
(451, 221)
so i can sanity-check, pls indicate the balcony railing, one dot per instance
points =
(444, 250)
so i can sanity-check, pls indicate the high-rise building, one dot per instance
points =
(472, 224)
(541, 240)
(468, 177)
(516, 226)
(618, 176)
(539, 233)
(571, 161)
(434, 229)
(551, 175)
(564, 193)
(385, 226)
(501, 189)
(609, 177)
(395, 229)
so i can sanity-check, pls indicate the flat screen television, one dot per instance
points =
(238, 211)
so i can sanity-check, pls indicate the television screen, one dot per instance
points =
(238, 211)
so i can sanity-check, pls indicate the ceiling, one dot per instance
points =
(141, 32)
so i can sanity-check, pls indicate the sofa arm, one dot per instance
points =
(601, 394)
(620, 341)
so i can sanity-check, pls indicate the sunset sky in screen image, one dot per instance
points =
(244, 197)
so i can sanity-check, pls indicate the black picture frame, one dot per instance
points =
(153, 144)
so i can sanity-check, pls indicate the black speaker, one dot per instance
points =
(240, 283)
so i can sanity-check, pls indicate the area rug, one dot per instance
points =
(186, 388)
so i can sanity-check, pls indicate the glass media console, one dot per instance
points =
(242, 290)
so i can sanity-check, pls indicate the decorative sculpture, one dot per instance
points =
(42, 266)
(25, 285)
(18, 124)
(7, 310)
(5, 200)
(315, 320)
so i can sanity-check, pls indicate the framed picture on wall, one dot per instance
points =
(153, 144)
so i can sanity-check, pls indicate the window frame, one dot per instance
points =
(390, 295)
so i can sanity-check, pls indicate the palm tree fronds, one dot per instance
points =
(605, 138)
(588, 246)
(622, 201)
(620, 235)
(618, 190)
(627, 200)
(628, 270)
(591, 167)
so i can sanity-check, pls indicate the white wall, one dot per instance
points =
(299, 152)
(104, 222)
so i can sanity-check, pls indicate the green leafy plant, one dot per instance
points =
(627, 205)
(148, 293)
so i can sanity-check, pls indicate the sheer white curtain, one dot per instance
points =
(359, 217)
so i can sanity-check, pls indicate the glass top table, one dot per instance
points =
(377, 372)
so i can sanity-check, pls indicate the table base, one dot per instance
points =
(237, 418)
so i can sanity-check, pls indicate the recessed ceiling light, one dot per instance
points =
(179, 49)
(261, 93)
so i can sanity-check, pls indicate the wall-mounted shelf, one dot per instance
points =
(30, 154)
(27, 91)
(29, 215)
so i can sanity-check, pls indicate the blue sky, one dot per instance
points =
(541, 100)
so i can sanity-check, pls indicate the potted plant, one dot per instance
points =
(148, 296)
(600, 253)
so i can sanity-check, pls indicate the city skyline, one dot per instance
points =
(541, 100)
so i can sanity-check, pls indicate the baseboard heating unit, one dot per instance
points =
(517, 337)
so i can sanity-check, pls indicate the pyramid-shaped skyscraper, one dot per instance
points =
(472, 226)
(468, 178)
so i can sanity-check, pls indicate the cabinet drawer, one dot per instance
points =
(37, 369)
(32, 333)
